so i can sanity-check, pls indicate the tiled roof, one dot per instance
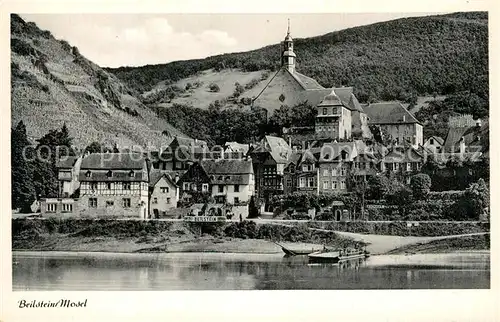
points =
(125, 161)
(237, 147)
(470, 135)
(119, 175)
(305, 81)
(156, 175)
(228, 171)
(389, 113)
(66, 162)
(332, 151)
(438, 139)
(398, 155)
(277, 147)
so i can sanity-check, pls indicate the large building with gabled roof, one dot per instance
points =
(287, 87)
(397, 122)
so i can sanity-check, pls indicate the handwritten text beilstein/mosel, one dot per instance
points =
(60, 303)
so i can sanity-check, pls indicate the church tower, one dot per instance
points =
(287, 55)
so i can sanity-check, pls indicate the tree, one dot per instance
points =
(420, 185)
(478, 195)
(214, 88)
(51, 147)
(238, 90)
(22, 190)
(378, 186)
(253, 210)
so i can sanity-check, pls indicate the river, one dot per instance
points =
(41, 271)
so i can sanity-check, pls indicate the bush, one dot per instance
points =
(214, 88)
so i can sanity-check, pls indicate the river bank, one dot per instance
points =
(244, 237)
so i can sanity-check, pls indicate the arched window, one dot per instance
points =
(88, 174)
(109, 174)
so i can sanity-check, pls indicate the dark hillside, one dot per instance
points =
(383, 61)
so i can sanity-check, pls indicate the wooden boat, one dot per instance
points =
(336, 256)
(297, 251)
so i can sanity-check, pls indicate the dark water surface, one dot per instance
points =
(41, 271)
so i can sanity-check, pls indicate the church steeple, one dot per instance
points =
(287, 55)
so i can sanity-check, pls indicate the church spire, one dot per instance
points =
(287, 54)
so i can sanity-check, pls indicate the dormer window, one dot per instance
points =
(109, 174)
(131, 174)
(325, 111)
(88, 174)
(228, 177)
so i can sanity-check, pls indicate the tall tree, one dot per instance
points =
(23, 192)
(51, 147)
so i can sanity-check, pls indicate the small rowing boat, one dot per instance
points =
(297, 250)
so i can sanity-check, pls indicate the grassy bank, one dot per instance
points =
(160, 236)
(401, 228)
(245, 237)
(467, 243)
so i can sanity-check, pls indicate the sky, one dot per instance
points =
(115, 40)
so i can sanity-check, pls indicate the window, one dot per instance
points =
(408, 166)
(110, 203)
(342, 171)
(325, 185)
(109, 174)
(51, 207)
(325, 173)
(185, 186)
(236, 200)
(126, 186)
(164, 189)
(108, 185)
(93, 186)
(305, 167)
(334, 172)
(334, 185)
(325, 111)
(66, 207)
(236, 188)
(93, 202)
(204, 187)
(88, 174)
(310, 182)
(168, 200)
(155, 200)
(289, 182)
(221, 188)
(342, 184)
(193, 187)
(126, 202)
(131, 174)
(302, 182)
(396, 166)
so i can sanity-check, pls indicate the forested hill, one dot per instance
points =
(442, 54)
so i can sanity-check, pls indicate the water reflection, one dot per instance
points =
(98, 271)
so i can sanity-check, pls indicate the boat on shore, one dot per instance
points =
(297, 251)
(337, 256)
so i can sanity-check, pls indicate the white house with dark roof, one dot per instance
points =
(227, 181)
(164, 194)
(114, 184)
(434, 144)
(395, 120)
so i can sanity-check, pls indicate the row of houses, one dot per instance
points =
(133, 184)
